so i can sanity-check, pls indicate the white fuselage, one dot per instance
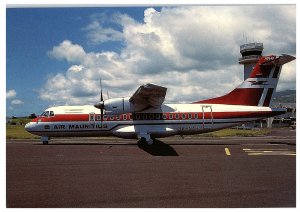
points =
(168, 120)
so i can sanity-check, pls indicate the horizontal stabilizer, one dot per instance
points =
(285, 58)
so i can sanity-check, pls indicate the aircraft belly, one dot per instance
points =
(74, 134)
(135, 131)
(125, 132)
(158, 130)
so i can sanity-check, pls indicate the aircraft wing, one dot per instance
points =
(148, 95)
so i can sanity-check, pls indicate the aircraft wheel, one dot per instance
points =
(45, 139)
(141, 141)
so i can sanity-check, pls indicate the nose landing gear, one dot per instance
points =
(45, 139)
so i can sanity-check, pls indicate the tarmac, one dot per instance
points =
(193, 172)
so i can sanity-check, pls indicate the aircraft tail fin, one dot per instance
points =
(258, 88)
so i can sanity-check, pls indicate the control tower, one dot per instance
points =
(250, 55)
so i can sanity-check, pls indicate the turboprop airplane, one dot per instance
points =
(143, 116)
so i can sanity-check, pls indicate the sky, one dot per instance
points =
(56, 56)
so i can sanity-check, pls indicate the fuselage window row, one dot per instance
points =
(149, 116)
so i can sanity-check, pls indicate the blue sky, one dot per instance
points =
(55, 56)
(31, 33)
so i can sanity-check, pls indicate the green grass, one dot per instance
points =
(22, 121)
(18, 132)
(236, 132)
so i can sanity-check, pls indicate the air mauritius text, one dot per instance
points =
(80, 126)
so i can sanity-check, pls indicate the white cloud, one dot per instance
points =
(98, 34)
(11, 94)
(75, 68)
(17, 102)
(288, 76)
(193, 51)
(67, 50)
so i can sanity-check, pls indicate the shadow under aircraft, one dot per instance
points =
(158, 148)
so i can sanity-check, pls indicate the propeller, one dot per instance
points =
(100, 104)
(107, 94)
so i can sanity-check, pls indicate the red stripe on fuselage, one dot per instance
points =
(169, 116)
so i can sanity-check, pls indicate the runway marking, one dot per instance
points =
(258, 152)
(265, 149)
(227, 151)
(272, 153)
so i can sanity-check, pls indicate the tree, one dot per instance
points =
(32, 116)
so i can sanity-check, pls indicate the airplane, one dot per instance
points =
(145, 117)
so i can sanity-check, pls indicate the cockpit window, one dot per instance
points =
(45, 114)
(51, 113)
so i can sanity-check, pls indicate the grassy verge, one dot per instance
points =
(18, 121)
(18, 132)
(236, 132)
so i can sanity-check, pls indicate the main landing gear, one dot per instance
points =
(143, 140)
(146, 138)
(45, 139)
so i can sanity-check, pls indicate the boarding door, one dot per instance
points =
(92, 117)
(207, 117)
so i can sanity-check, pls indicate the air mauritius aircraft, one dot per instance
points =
(144, 117)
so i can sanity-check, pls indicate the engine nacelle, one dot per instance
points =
(118, 106)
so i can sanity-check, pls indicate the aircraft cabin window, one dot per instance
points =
(170, 116)
(145, 116)
(92, 117)
(177, 116)
(164, 116)
(183, 116)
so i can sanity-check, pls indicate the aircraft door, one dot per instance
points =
(92, 117)
(207, 117)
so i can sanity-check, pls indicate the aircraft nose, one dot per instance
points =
(28, 127)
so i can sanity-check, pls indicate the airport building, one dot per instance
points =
(251, 52)
(250, 55)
